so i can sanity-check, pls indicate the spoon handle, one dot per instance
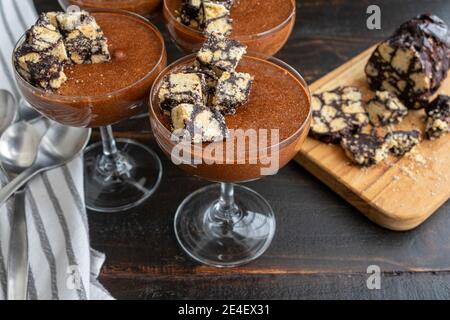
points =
(7, 191)
(18, 252)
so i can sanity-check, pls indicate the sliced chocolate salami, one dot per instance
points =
(233, 90)
(365, 149)
(386, 109)
(216, 18)
(401, 142)
(220, 54)
(412, 63)
(438, 117)
(40, 69)
(83, 37)
(178, 88)
(198, 123)
(337, 113)
(40, 60)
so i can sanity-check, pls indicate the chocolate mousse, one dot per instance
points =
(98, 94)
(263, 26)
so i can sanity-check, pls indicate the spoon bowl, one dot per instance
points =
(59, 145)
(18, 147)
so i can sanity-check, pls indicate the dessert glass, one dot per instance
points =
(265, 44)
(225, 224)
(142, 7)
(119, 174)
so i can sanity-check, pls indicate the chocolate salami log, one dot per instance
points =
(413, 62)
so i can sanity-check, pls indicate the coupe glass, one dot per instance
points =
(119, 174)
(265, 44)
(224, 224)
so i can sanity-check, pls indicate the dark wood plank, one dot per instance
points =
(322, 246)
(289, 287)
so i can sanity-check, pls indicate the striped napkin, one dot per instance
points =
(62, 265)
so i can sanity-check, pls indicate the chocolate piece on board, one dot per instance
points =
(386, 109)
(412, 63)
(437, 119)
(365, 149)
(337, 113)
(401, 142)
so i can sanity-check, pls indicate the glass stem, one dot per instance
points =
(227, 210)
(112, 162)
(109, 144)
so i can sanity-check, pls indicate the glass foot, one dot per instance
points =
(224, 238)
(122, 182)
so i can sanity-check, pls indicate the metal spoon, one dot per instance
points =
(59, 145)
(18, 150)
(8, 110)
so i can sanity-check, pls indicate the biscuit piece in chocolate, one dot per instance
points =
(413, 63)
(216, 18)
(233, 90)
(40, 69)
(337, 113)
(386, 109)
(44, 37)
(210, 78)
(194, 13)
(83, 37)
(438, 117)
(365, 149)
(41, 58)
(190, 13)
(199, 123)
(220, 54)
(401, 142)
(178, 88)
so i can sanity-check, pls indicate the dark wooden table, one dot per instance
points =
(323, 246)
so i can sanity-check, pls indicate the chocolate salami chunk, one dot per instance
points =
(438, 117)
(190, 12)
(220, 54)
(386, 109)
(205, 14)
(41, 58)
(199, 123)
(44, 37)
(401, 142)
(365, 149)
(178, 88)
(413, 63)
(84, 39)
(216, 19)
(233, 90)
(210, 78)
(336, 114)
(40, 69)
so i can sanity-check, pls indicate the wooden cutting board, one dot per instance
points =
(399, 194)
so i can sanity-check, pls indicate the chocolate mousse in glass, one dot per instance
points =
(119, 174)
(142, 7)
(264, 26)
(225, 224)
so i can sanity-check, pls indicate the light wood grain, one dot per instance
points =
(398, 194)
